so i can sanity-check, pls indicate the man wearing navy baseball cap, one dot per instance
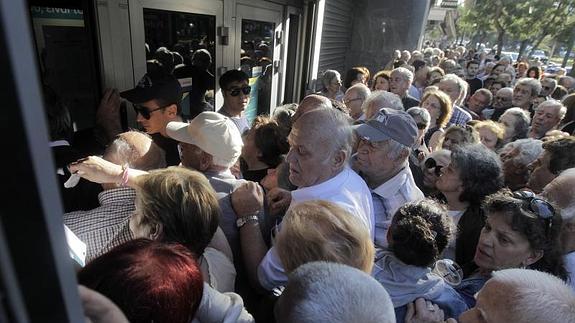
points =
(382, 161)
(156, 99)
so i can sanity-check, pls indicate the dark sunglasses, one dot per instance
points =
(246, 90)
(146, 112)
(540, 207)
(421, 126)
(431, 163)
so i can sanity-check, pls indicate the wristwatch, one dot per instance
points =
(240, 222)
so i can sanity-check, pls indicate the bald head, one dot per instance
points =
(137, 150)
(310, 103)
(561, 191)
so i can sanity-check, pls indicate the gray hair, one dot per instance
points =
(534, 84)
(329, 75)
(404, 72)
(461, 84)
(336, 126)
(137, 150)
(330, 292)
(535, 297)
(419, 113)
(522, 122)
(554, 103)
(361, 89)
(382, 99)
(529, 150)
(396, 149)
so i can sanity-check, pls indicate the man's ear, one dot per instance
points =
(172, 110)
(156, 231)
(534, 257)
(339, 159)
(206, 160)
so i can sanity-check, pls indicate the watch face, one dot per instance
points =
(449, 271)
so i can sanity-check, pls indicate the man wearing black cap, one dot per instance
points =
(382, 161)
(156, 101)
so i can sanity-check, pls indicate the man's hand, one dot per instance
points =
(247, 199)
(98, 308)
(97, 170)
(278, 200)
(422, 311)
(108, 114)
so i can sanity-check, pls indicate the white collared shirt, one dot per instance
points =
(389, 197)
(347, 190)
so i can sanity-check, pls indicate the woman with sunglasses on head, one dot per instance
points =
(431, 168)
(473, 173)
(439, 106)
(521, 231)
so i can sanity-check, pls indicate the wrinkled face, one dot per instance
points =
(545, 119)
(490, 306)
(472, 70)
(381, 84)
(334, 85)
(502, 99)
(546, 87)
(515, 175)
(239, 102)
(450, 180)
(430, 171)
(158, 118)
(451, 88)
(508, 121)
(372, 159)
(190, 155)
(433, 106)
(477, 102)
(452, 139)
(353, 102)
(398, 84)
(308, 157)
(521, 96)
(540, 174)
(501, 247)
(488, 137)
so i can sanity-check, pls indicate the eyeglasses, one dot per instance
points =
(431, 163)
(540, 207)
(351, 100)
(421, 126)
(246, 90)
(147, 112)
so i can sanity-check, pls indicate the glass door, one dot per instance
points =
(258, 53)
(182, 36)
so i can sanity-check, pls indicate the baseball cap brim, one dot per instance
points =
(370, 133)
(179, 131)
(138, 95)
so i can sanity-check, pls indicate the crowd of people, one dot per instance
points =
(441, 188)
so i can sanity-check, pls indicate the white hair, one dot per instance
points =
(534, 84)
(406, 73)
(382, 99)
(336, 293)
(461, 84)
(562, 110)
(535, 297)
(396, 149)
(361, 89)
(336, 126)
(529, 150)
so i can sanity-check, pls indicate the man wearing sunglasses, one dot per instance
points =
(236, 92)
(382, 161)
(156, 101)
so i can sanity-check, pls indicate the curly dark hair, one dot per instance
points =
(479, 171)
(541, 234)
(561, 153)
(420, 232)
(270, 140)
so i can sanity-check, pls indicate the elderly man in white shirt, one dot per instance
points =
(382, 160)
(320, 149)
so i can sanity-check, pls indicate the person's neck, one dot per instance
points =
(255, 164)
(373, 181)
(453, 202)
(163, 130)
(232, 112)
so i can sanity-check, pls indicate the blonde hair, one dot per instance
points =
(322, 231)
(495, 127)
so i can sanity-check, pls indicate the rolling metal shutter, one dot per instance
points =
(336, 35)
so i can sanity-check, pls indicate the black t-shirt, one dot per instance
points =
(170, 147)
(474, 85)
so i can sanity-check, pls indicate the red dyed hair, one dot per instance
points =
(150, 281)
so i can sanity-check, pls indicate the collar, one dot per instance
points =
(321, 189)
(59, 143)
(394, 184)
